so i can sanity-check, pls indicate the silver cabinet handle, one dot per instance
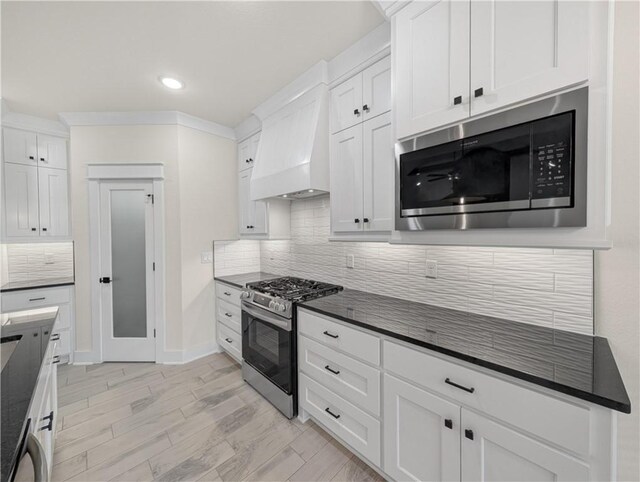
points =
(228, 340)
(228, 315)
(38, 458)
(38, 299)
(227, 293)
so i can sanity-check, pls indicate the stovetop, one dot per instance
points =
(294, 289)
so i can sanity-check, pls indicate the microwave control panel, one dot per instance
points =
(552, 158)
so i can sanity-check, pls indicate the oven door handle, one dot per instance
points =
(38, 458)
(267, 317)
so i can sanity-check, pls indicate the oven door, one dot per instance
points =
(267, 345)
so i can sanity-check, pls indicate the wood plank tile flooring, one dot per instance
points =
(198, 421)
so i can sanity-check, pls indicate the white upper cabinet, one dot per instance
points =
(523, 49)
(20, 147)
(53, 202)
(376, 89)
(363, 96)
(346, 104)
(21, 200)
(347, 180)
(454, 59)
(52, 152)
(421, 434)
(431, 65)
(378, 174)
(247, 151)
(491, 451)
(253, 214)
(36, 184)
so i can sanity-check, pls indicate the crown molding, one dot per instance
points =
(32, 123)
(172, 117)
(248, 127)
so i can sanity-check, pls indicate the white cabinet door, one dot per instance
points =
(52, 151)
(376, 89)
(244, 154)
(253, 214)
(255, 141)
(431, 72)
(20, 147)
(492, 452)
(523, 49)
(54, 202)
(378, 174)
(346, 180)
(421, 434)
(21, 200)
(346, 104)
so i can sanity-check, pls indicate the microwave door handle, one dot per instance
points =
(267, 317)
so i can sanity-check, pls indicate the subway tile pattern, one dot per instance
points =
(236, 257)
(26, 262)
(545, 287)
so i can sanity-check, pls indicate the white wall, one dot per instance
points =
(617, 271)
(208, 211)
(200, 181)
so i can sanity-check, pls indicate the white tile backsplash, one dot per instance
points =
(235, 257)
(27, 262)
(544, 287)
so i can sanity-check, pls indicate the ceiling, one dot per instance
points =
(107, 56)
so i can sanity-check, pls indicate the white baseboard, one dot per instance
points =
(200, 351)
(168, 357)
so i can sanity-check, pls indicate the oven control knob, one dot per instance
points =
(244, 295)
(281, 307)
(272, 305)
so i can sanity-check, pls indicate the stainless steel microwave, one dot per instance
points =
(525, 167)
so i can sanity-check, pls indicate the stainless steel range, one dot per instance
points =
(269, 349)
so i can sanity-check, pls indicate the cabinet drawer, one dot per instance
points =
(230, 315)
(563, 423)
(349, 378)
(228, 294)
(354, 342)
(347, 421)
(63, 342)
(24, 300)
(230, 341)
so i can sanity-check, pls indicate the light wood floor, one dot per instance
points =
(199, 421)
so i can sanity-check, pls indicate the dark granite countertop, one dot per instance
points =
(20, 375)
(34, 284)
(578, 365)
(241, 280)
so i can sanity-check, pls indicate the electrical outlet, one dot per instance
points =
(432, 269)
(350, 261)
(206, 257)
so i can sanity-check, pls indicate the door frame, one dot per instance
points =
(97, 174)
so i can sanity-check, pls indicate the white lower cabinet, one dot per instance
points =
(413, 414)
(229, 320)
(421, 434)
(360, 430)
(491, 451)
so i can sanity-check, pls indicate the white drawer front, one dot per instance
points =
(563, 423)
(24, 300)
(63, 342)
(230, 341)
(354, 426)
(354, 342)
(230, 315)
(349, 378)
(228, 293)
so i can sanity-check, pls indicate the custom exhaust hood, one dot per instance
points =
(293, 154)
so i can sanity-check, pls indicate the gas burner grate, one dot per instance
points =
(294, 289)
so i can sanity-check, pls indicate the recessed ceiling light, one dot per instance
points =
(172, 83)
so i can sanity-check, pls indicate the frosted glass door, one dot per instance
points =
(126, 271)
(128, 265)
